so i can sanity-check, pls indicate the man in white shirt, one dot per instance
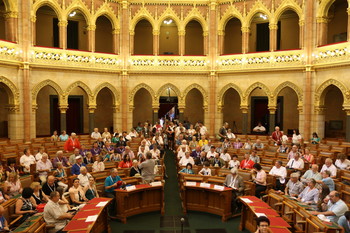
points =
(211, 153)
(84, 176)
(54, 214)
(296, 164)
(186, 159)
(225, 156)
(95, 135)
(181, 152)
(280, 173)
(329, 166)
(40, 153)
(43, 167)
(259, 128)
(311, 174)
(26, 160)
(202, 129)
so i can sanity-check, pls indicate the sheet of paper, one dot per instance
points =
(102, 203)
(205, 185)
(129, 188)
(157, 183)
(189, 183)
(246, 200)
(219, 187)
(260, 214)
(91, 218)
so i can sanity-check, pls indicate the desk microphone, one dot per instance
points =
(182, 224)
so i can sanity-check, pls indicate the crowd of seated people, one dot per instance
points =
(194, 149)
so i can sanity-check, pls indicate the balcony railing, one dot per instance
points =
(332, 54)
(73, 58)
(280, 59)
(10, 52)
(168, 63)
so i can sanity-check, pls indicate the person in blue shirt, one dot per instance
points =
(327, 180)
(187, 170)
(76, 167)
(3, 222)
(112, 183)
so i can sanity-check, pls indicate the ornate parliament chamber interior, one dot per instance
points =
(191, 116)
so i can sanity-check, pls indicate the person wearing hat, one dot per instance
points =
(78, 164)
(294, 187)
(235, 181)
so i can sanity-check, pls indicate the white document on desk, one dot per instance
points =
(130, 188)
(189, 183)
(246, 200)
(102, 203)
(219, 187)
(205, 185)
(91, 218)
(157, 183)
(260, 214)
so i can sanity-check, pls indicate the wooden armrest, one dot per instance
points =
(50, 226)
(14, 221)
(289, 212)
(301, 222)
(278, 204)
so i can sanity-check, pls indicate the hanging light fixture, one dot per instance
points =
(72, 14)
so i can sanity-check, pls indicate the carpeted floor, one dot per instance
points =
(194, 222)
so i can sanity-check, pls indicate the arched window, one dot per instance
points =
(233, 37)
(143, 38)
(103, 35)
(194, 38)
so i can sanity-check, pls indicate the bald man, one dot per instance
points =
(50, 185)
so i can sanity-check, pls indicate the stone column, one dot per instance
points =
(155, 113)
(116, 38)
(272, 119)
(322, 30)
(11, 28)
(33, 20)
(62, 27)
(155, 42)
(212, 56)
(245, 39)
(91, 29)
(347, 132)
(348, 10)
(244, 109)
(63, 115)
(92, 118)
(181, 42)
(181, 113)
(309, 71)
(116, 120)
(320, 119)
(273, 37)
(221, 41)
(301, 34)
(132, 35)
(205, 43)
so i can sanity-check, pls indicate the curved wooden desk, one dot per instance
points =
(145, 198)
(208, 200)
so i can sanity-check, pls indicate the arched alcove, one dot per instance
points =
(104, 109)
(337, 22)
(103, 35)
(233, 37)
(143, 38)
(169, 38)
(231, 110)
(142, 107)
(194, 111)
(194, 38)
(288, 31)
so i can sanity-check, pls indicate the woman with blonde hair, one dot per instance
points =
(38, 195)
(13, 186)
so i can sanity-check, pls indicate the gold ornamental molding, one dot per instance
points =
(320, 93)
(36, 89)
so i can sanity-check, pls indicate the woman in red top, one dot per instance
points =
(247, 163)
(126, 162)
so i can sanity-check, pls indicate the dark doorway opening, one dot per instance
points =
(262, 37)
(73, 34)
(74, 115)
(168, 107)
(56, 36)
(261, 113)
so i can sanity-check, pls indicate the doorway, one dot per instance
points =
(261, 113)
(74, 115)
(168, 107)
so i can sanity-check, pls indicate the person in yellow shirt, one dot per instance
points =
(203, 141)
